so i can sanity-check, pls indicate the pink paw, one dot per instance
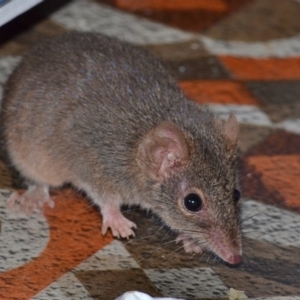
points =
(119, 225)
(33, 200)
(189, 244)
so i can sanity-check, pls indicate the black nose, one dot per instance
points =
(193, 202)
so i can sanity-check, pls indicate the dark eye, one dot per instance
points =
(236, 195)
(193, 202)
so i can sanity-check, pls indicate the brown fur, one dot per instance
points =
(108, 118)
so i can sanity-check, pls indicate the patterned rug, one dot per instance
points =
(239, 56)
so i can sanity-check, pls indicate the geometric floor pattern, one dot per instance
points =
(235, 56)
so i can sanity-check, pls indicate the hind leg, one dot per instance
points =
(33, 199)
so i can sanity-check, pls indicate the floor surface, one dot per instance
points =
(239, 56)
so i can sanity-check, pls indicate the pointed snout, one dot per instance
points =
(234, 259)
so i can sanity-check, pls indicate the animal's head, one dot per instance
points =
(194, 179)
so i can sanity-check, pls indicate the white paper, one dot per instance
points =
(134, 295)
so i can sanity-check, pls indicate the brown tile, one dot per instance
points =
(254, 285)
(154, 246)
(279, 99)
(277, 92)
(189, 60)
(267, 270)
(278, 113)
(108, 2)
(105, 285)
(179, 51)
(5, 177)
(260, 21)
(253, 249)
(251, 135)
(207, 67)
(6, 174)
(278, 143)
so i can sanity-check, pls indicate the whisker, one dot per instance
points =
(137, 239)
(247, 217)
(155, 249)
(180, 248)
(143, 237)
(249, 231)
(176, 251)
(191, 257)
(247, 259)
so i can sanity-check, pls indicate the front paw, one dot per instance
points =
(119, 226)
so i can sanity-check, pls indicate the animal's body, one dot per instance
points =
(108, 118)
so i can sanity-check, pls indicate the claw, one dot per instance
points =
(118, 224)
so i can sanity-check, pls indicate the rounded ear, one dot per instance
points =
(231, 130)
(163, 151)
